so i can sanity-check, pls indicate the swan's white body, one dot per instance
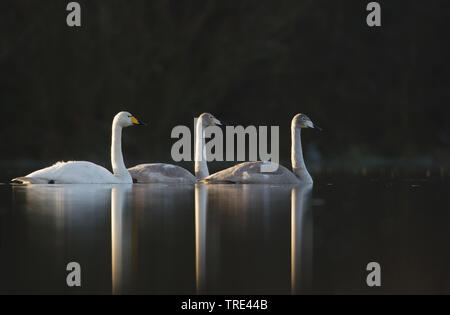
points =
(250, 172)
(73, 172)
(80, 172)
(172, 174)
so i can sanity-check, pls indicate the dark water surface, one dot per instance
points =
(227, 239)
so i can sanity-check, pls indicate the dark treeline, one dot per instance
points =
(381, 95)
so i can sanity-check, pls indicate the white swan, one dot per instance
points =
(172, 174)
(250, 172)
(80, 172)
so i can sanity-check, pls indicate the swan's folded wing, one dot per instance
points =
(250, 173)
(161, 173)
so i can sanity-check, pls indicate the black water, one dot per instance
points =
(227, 239)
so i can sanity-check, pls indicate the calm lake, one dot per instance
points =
(227, 239)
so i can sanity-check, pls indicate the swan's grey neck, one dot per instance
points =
(119, 169)
(201, 168)
(298, 163)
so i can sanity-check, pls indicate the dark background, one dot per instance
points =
(380, 94)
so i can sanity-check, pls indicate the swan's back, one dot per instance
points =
(73, 172)
(161, 173)
(250, 173)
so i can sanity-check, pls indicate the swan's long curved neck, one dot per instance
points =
(298, 163)
(119, 169)
(201, 168)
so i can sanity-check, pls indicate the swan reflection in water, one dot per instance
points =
(247, 218)
(148, 241)
(301, 239)
(201, 203)
(63, 204)
(239, 239)
(63, 223)
(228, 221)
(72, 217)
(121, 239)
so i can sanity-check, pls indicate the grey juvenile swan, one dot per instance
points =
(250, 172)
(172, 174)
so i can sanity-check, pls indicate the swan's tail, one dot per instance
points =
(29, 180)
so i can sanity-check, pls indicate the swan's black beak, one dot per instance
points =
(317, 127)
(225, 123)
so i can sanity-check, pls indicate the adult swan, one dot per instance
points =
(80, 172)
(250, 172)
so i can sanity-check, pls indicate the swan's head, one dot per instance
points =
(125, 119)
(209, 120)
(303, 121)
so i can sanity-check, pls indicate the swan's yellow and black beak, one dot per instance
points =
(310, 124)
(137, 122)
